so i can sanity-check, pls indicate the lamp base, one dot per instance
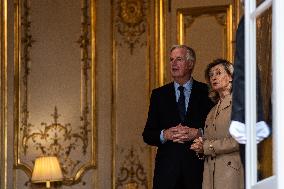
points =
(47, 184)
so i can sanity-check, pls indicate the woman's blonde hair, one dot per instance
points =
(228, 66)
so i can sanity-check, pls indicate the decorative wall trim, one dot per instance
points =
(59, 139)
(27, 42)
(160, 42)
(84, 43)
(132, 174)
(131, 22)
(3, 95)
(222, 14)
(116, 44)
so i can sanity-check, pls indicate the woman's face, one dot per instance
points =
(219, 79)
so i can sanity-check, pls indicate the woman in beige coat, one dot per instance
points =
(222, 164)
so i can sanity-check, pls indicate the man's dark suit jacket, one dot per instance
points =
(238, 105)
(176, 166)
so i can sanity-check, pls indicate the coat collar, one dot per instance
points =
(226, 102)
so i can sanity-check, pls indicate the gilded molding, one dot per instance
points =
(55, 138)
(26, 42)
(222, 14)
(221, 19)
(160, 42)
(131, 22)
(237, 11)
(84, 43)
(3, 94)
(132, 174)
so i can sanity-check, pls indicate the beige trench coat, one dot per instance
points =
(222, 165)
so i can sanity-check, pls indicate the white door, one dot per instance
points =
(252, 12)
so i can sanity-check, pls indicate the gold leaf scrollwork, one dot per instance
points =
(131, 173)
(131, 21)
(131, 12)
(58, 140)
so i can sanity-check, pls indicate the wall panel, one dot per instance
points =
(54, 82)
(130, 92)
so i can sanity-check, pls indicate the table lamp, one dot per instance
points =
(46, 169)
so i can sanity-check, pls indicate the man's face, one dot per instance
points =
(180, 67)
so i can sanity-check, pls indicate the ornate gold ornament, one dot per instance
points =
(131, 12)
(221, 18)
(131, 174)
(61, 140)
(131, 21)
(58, 140)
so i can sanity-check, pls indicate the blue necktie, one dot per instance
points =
(181, 104)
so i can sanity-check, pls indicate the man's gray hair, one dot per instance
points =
(190, 53)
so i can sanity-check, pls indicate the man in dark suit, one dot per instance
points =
(237, 127)
(177, 111)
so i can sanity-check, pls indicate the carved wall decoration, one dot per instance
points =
(132, 174)
(58, 140)
(84, 43)
(27, 42)
(188, 21)
(215, 24)
(221, 18)
(77, 136)
(131, 22)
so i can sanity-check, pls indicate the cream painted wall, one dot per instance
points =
(104, 94)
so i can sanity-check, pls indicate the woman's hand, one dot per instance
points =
(197, 145)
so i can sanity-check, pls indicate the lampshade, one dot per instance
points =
(47, 169)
